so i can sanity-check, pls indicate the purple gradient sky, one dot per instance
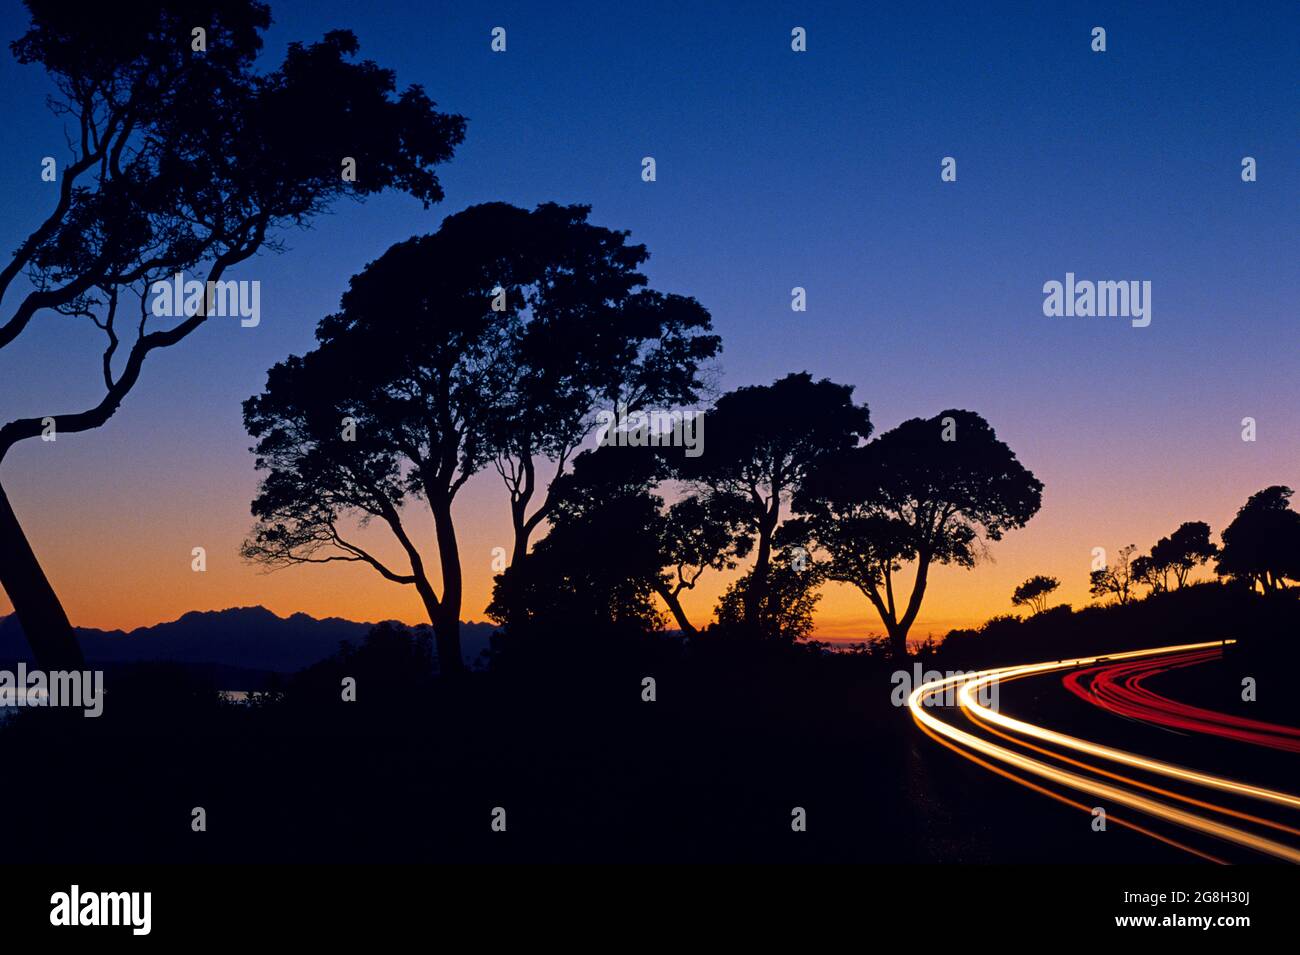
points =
(775, 169)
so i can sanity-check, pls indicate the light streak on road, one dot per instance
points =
(966, 696)
(1130, 781)
(1066, 800)
(1118, 687)
(968, 685)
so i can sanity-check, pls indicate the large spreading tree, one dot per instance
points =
(1262, 544)
(762, 443)
(182, 158)
(921, 494)
(419, 382)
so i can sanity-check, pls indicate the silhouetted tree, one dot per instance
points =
(612, 544)
(595, 567)
(762, 442)
(1185, 549)
(180, 161)
(700, 532)
(920, 493)
(1262, 544)
(1035, 592)
(591, 337)
(392, 406)
(1147, 569)
(1178, 554)
(1117, 579)
(783, 610)
(425, 360)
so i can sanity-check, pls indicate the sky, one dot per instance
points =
(775, 169)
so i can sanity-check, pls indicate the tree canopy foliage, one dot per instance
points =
(923, 494)
(184, 161)
(1262, 544)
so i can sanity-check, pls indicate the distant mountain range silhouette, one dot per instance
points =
(245, 638)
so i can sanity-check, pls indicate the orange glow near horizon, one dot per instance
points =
(114, 571)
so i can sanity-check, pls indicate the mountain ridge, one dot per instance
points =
(253, 638)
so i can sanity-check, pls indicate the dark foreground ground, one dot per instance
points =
(585, 769)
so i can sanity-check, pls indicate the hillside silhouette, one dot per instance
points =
(241, 638)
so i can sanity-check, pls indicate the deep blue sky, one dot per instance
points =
(778, 169)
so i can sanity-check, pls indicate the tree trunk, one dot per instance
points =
(446, 637)
(520, 549)
(898, 628)
(757, 589)
(446, 626)
(674, 604)
(897, 640)
(914, 600)
(516, 613)
(50, 635)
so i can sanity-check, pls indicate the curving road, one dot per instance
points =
(1172, 798)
